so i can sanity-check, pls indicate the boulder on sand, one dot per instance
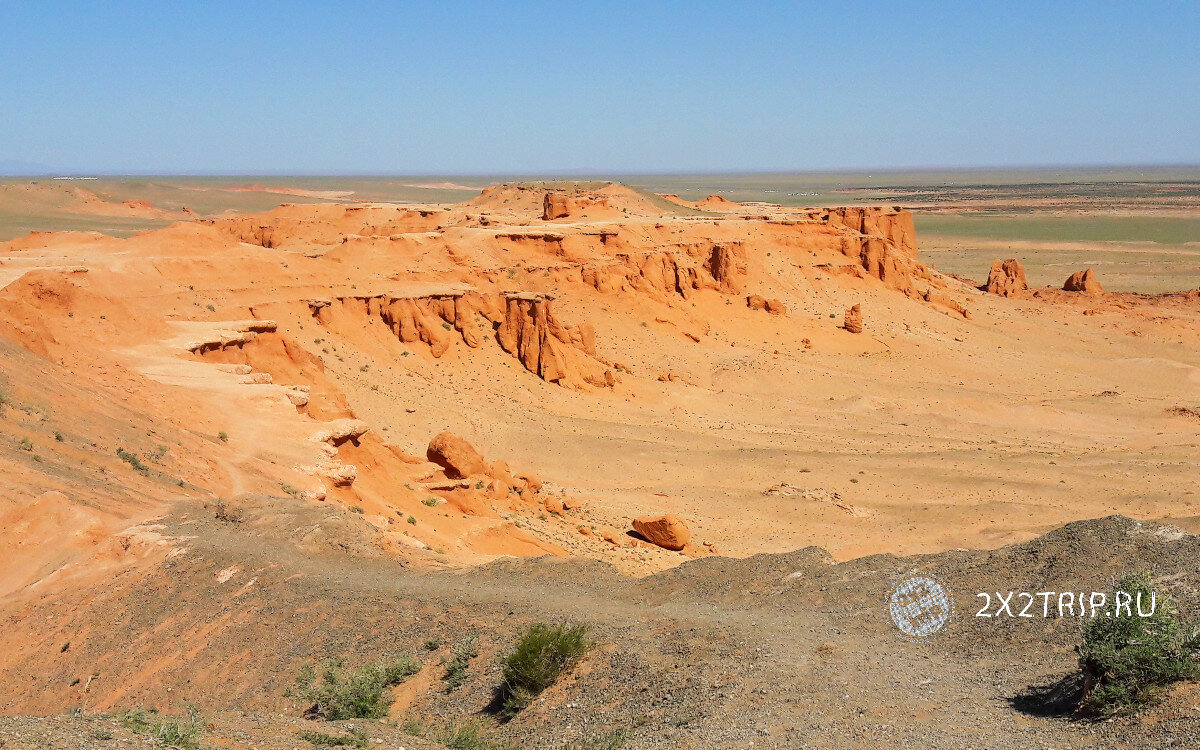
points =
(667, 531)
(773, 306)
(1083, 281)
(456, 456)
(1007, 278)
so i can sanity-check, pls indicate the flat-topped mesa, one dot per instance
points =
(573, 200)
(298, 226)
(521, 323)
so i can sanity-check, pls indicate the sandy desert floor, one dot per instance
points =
(599, 353)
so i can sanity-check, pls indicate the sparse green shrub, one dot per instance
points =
(169, 732)
(289, 489)
(1127, 660)
(132, 460)
(58, 437)
(460, 659)
(468, 734)
(430, 501)
(361, 693)
(102, 734)
(223, 436)
(433, 644)
(412, 520)
(356, 738)
(26, 444)
(541, 655)
(480, 485)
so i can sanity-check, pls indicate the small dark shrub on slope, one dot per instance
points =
(542, 654)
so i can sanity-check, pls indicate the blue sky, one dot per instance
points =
(510, 87)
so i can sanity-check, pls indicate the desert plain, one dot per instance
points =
(252, 424)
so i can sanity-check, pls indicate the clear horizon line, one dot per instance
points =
(595, 172)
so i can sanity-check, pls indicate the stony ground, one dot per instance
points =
(771, 651)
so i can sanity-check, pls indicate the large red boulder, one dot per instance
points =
(456, 456)
(667, 531)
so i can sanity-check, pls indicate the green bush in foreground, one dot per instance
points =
(1127, 660)
(542, 654)
(169, 732)
(361, 693)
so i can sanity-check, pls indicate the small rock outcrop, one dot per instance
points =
(667, 531)
(1007, 278)
(340, 430)
(555, 352)
(456, 456)
(1083, 281)
(556, 205)
(726, 264)
(854, 320)
(773, 306)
